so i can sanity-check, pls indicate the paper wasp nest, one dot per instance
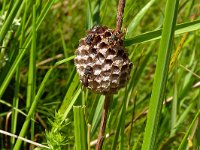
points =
(101, 62)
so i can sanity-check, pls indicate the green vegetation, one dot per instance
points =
(43, 102)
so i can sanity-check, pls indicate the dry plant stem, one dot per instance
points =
(103, 122)
(120, 12)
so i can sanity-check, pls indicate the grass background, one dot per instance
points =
(39, 85)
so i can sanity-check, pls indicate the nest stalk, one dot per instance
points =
(120, 12)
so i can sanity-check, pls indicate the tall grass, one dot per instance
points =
(161, 74)
(42, 100)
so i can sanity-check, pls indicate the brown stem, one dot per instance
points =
(103, 123)
(120, 12)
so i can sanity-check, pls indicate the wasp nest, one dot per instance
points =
(101, 62)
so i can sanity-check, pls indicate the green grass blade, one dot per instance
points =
(95, 97)
(9, 105)
(11, 72)
(44, 12)
(4, 6)
(17, 78)
(65, 49)
(80, 128)
(183, 144)
(9, 20)
(64, 60)
(140, 66)
(187, 84)
(21, 54)
(154, 35)
(15, 105)
(183, 116)
(32, 109)
(131, 27)
(119, 133)
(137, 142)
(32, 70)
(68, 97)
(114, 143)
(97, 115)
(198, 128)
(69, 107)
(32, 65)
(89, 15)
(161, 73)
(123, 116)
(96, 16)
(174, 105)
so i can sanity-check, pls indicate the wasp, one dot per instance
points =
(87, 75)
(89, 39)
(115, 37)
(112, 38)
